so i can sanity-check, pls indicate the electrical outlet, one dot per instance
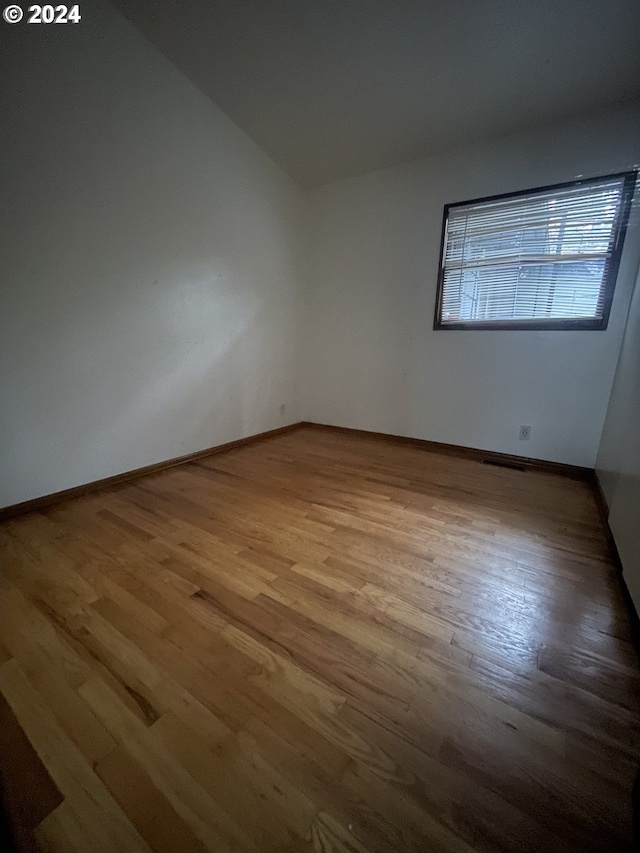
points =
(283, 408)
(525, 433)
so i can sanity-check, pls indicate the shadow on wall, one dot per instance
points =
(164, 378)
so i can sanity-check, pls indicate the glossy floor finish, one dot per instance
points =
(320, 642)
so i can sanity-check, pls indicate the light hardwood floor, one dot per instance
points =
(320, 642)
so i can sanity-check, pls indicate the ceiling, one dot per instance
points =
(334, 88)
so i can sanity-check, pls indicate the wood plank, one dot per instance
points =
(207, 820)
(145, 806)
(29, 793)
(102, 822)
(324, 641)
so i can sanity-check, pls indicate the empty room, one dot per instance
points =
(320, 426)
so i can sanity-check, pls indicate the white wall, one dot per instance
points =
(373, 359)
(618, 464)
(153, 261)
(150, 262)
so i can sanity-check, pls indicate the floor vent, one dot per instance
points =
(500, 464)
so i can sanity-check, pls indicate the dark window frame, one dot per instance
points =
(610, 275)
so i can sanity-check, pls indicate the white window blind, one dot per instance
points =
(534, 257)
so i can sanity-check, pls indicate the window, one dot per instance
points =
(540, 259)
